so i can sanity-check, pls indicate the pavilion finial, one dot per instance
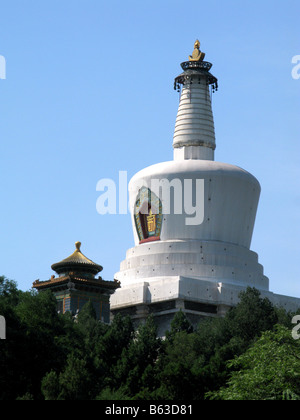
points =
(78, 245)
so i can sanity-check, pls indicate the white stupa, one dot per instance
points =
(193, 220)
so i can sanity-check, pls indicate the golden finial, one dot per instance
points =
(197, 54)
(78, 245)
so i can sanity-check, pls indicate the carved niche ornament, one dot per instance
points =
(148, 215)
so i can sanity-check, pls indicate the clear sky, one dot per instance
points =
(89, 92)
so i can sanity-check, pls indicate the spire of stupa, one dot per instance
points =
(194, 136)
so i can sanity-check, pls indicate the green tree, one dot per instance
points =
(50, 386)
(9, 291)
(38, 316)
(70, 340)
(251, 316)
(75, 381)
(179, 369)
(268, 370)
(135, 368)
(72, 384)
(51, 356)
(117, 337)
(108, 395)
(12, 367)
(178, 324)
(90, 328)
(30, 348)
(37, 311)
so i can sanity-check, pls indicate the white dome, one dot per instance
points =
(229, 200)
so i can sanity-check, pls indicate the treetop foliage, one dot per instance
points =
(248, 354)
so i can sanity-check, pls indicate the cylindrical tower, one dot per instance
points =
(194, 136)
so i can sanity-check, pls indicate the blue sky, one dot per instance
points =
(89, 93)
